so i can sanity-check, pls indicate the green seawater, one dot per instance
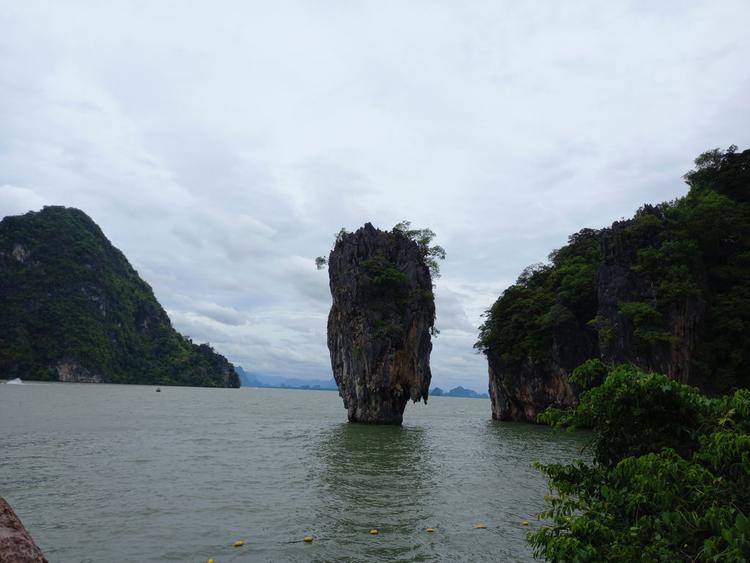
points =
(115, 473)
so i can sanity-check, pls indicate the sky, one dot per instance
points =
(221, 145)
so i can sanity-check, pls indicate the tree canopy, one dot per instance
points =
(428, 254)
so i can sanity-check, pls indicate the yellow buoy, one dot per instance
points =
(480, 526)
(239, 543)
(525, 522)
(429, 530)
(374, 532)
(210, 561)
(308, 539)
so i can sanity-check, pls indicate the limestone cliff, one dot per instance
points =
(75, 310)
(621, 281)
(380, 323)
(667, 291)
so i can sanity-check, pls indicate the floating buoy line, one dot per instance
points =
(373, 532)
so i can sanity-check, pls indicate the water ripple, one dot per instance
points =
(120, 473)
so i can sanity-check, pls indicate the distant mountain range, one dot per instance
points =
(248, 379)
(458, 392)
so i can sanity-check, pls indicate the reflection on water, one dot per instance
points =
(120, 473)
(374, 477)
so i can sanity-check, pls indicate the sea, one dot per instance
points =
(110, 473)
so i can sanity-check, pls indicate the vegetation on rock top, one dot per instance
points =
(429, 253)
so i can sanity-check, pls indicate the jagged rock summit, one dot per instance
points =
(380, 324)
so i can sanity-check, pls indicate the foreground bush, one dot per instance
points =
(670, 479)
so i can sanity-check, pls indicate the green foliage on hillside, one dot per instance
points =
(699, 248)
(382, 277)
(647, 320)
(695, 248)
(670, 479)
(67, 295)
(520, 323)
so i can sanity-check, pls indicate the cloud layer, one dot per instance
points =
(222, 147)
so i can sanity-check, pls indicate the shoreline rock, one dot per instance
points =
(16, 544)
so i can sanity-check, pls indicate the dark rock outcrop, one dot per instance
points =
(16, 545)
(73, 309)
(666, 291)
(521, 390)
(380, 324)
(618, 282)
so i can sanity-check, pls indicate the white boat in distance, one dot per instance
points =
(16, 381)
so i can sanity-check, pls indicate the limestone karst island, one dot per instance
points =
(380, 323)
(382, 282)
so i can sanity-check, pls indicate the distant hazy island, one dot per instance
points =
(248, 379)
(458, 392)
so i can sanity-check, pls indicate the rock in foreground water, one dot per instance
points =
(16, 544)
(380, 324)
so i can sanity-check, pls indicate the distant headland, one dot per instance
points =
(75, 310)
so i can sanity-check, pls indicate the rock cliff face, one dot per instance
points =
(666, 291)
(620, 281)
(379, 327)
(73, 309)
(522, 389)
(16, 544)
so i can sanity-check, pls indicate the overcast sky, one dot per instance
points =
(221, 145)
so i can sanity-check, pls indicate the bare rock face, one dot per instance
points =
(521, 390)
(380, 324)
(16, 544)
(71, 371)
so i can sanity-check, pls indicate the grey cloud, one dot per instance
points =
(451, 314)
(221, 314)
(222, 158)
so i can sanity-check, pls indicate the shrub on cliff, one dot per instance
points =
(670, 478)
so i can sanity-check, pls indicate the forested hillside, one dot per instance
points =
(74, 309)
